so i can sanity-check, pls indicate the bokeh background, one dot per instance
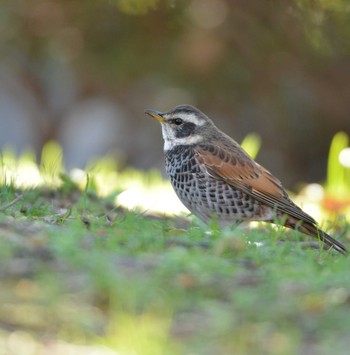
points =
(83, 72)
(82, 274)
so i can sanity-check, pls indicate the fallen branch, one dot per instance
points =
(18, 198)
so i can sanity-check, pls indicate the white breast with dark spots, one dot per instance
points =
(205, 196)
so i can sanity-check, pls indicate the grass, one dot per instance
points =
(81, 275)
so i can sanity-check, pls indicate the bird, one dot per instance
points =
(214, 177)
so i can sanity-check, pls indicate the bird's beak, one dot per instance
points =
(157, 115)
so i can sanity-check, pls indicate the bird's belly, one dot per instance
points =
(209, 198)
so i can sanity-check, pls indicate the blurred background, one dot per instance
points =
(83, 72)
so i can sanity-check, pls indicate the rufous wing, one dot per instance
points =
(233, 165)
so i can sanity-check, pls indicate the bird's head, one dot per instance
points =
(183, 125)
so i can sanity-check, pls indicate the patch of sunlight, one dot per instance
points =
(22, 343)
(310, 200)
(141, 334)
(28, 174)
(103, 175)
(146, 191)
(22, 172)
(156, 198)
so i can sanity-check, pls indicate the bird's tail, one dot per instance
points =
(314, 231)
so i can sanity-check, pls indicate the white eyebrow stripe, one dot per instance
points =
(189, 117)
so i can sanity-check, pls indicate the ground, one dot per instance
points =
(80, 275)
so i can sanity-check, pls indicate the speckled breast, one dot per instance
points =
(206, 196)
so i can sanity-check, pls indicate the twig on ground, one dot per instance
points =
(15, 200)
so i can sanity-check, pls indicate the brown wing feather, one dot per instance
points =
(231, 164)
(234, 166)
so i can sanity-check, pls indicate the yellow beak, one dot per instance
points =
(156, 114)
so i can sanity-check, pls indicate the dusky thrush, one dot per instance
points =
(213, 176)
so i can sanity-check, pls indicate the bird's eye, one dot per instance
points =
(178, 121)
